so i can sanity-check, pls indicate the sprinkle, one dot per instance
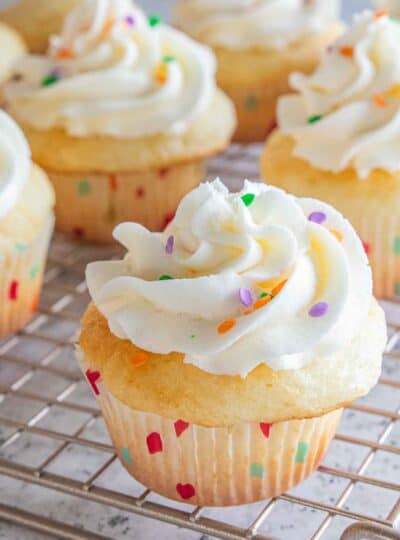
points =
(246, 297)
(193, 336)
(21, 247)
(263, 295)
(301, 452)
(347, 51)
(314, 119)
(262, 302)
(337, 234)
(380, 13)
(167, 59)
(107, 26)
(276, 290)
(396, 245)
(84, 187)
(154, 20)
(394, 91)
(165, 277)
(248, 199)
(161, 73)
(169, 247)
(50, 79)
(379, 100)
(34, 270)
(130, 21)
(35, 303)
(250, 103)
(139, 358)
(64, 54)
(256, 470)
(317, 217)
(126, 456)
(367, 247)
(13, 290)
(226, 326)
(319, 310)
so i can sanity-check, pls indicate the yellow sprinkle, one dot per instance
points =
(337, 234)
(161, 73)
(394, 91)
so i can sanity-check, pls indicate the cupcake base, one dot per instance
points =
(89, 206)
(214, 466)
(21, 277)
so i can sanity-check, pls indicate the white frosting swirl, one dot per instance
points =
(251, 23)
(347, 114)
(392, 6)
(227, 260)
(116, 74)
(15, 163)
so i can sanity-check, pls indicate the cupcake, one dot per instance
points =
(26, 224)
(223, 350)
(258, 43)
(337, 140)
(36, 20)
(12, 47)
(391, 6)
(122, 113)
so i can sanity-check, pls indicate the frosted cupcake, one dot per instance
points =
(223, 350)
(258, 43)
(12, 47)
(338, 140)
(122, 112)
(391, 6)
(37, 20)
(26, 224)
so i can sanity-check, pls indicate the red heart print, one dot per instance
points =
(186, 491)
(154, 443)
(93, 377)
(266, 429)
(180, 427)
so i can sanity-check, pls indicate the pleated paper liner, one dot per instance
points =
(21, 276)
(89, 206)
(213, 466)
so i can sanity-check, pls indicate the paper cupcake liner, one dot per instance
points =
(21, 277)
(213, 466)
(89, 206)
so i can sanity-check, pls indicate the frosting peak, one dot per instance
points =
(238, 280)
(15, 163)
(250, 23)
(113, 71)
(347, 113)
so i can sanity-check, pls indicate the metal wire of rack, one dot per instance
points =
(47, 415)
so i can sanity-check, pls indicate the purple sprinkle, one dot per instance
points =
(319, 310)
(246, 297)
(169, 247)
(129, 20)
(55, 72)
(317, 217)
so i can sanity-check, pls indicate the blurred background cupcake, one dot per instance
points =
(122, 112)
(12, 46)
(26, 224)
(37, 20)
(338, 139)
(258, 43)
(391, 6)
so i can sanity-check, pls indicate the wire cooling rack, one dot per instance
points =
(60, 477)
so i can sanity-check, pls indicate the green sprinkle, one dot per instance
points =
(301, 453)
(50, 79)
(34, 270)
(396, 245)
(154, 20)
(84, 187)
(263, 295)
(126, 455)
(256, 470)
(248, 199)
(314, 119)
(168, 59)
(165, 277)
(250, 103)
(21, 247)
(193, 336)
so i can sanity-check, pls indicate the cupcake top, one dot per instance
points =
(12, 47)
(254, 23)
(238, 280)
(347, 113)
(113, 71)
(392, 6)
(26, 197)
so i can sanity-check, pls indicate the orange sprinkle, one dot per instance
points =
(112, 181)
(380, 100)
(35, 303)
(337, 234)
(161, 73)
(346, 50)
(226, 326)
(107, 26)
(262, 302)
(248, 311)
(64, 54)
(139, 358)
(380, 13)
(276, 290)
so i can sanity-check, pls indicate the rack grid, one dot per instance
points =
(50, 425)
